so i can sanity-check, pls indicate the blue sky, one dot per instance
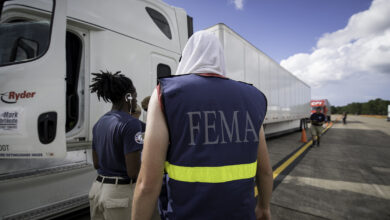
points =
(280, 28)
(304, 36)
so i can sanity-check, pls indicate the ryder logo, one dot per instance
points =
(13, 97)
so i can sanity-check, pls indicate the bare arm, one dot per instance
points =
(264, 179)
(95, 159)
(133, 164)
(153, 157)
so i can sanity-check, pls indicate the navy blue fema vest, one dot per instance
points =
(214, 126)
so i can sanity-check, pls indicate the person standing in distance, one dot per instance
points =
(317, 120)
(344, 117)
(136, 115)
(116, 145)
(205, 131)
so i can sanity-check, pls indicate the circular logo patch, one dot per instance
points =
(139, 138)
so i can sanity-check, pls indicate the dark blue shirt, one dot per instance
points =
(116, 134)
(143, 126)
(317, 118)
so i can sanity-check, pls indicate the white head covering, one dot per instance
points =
(203, 53)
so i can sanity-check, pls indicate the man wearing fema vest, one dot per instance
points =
(204, 148)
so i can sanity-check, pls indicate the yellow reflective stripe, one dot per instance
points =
(211, 174)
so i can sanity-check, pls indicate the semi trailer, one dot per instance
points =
(48, 50)
(288, 97)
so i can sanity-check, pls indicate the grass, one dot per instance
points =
(375, 116)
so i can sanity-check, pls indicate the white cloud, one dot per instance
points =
(239, 4)
(362, 48)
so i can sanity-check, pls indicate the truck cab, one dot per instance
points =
(324, 106)
(48, 50)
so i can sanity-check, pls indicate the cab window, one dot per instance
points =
(160, 21)
(315, 108)
(163, 70)
(21, 39)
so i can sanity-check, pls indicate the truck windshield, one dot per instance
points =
(23, 37)
(315, 108)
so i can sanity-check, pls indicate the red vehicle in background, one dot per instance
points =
(323, 104)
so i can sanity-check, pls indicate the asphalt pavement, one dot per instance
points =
(347, 177)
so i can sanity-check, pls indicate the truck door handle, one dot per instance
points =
(47, 126)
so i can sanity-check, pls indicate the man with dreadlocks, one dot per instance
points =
(116, 144)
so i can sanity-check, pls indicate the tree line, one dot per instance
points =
(372, 107)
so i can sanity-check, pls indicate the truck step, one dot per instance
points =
(43, 171)
(53, 210)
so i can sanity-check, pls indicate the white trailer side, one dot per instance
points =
(288, 97)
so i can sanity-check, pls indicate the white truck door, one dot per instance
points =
(32, 84)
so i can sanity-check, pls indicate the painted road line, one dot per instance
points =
(284, 166)
(291, 159)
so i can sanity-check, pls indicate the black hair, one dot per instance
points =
(112, 87)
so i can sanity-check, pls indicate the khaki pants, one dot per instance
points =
(315, 130)
(111, 201)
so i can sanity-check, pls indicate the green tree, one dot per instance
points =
(372, 107)
(333, 109)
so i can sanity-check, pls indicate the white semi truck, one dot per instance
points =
(48, 48)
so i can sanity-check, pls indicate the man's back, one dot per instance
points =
(205, 131)
(213, 126)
